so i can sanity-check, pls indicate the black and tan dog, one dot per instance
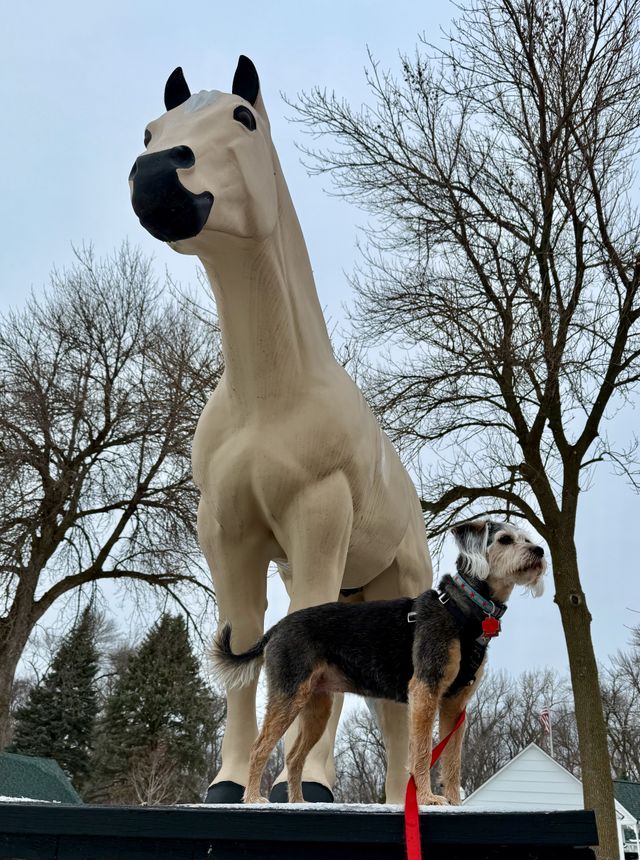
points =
(429, 651)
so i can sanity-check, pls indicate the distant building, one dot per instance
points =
(628, 793)
(533, 780)
(26, 777)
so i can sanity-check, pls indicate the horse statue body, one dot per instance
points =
(291, 464)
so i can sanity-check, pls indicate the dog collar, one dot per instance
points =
(490, 607)
(490, 610)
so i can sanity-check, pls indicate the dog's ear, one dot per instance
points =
(472, 539)
(469, 533)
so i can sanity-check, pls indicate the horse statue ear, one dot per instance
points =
(245, 81)
(176, 90)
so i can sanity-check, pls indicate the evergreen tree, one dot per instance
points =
(58, 718)
(158, 724)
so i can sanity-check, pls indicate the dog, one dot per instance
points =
(429, 651)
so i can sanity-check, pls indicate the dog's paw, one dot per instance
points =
(256, 798)
(433, 800)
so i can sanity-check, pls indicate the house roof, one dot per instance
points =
(628, 794)
(33, 778)
(534, 780)
(530, 779)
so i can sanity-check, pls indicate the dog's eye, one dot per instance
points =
(505, 539)
(244, 115)
(147, 137)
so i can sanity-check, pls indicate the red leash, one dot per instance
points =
(411, 812)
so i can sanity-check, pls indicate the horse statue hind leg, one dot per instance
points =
(289, 459)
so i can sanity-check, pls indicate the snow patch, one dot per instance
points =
(369, 808)
(4, 799)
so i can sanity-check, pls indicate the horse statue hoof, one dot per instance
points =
(224, 792)
(313, 792)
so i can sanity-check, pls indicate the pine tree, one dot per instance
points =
(158, 724)
(58, 718)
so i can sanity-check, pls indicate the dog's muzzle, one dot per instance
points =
(167, 209)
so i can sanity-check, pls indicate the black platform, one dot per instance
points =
(36, 831)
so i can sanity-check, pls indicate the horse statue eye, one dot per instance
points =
(243, 114)
(147, 137)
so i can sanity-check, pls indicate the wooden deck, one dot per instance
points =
(37, 831)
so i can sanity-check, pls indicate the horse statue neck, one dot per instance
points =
(274, 335)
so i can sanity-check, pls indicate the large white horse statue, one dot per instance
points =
(290, 461)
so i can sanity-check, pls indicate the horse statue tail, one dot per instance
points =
(237, 670)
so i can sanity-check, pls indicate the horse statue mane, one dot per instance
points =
(290, 461)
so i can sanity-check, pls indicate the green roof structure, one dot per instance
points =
(628, 794)
(33, 778)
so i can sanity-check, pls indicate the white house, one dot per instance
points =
(534, 781)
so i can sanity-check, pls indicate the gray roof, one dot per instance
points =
(35, 778)
(628, 794)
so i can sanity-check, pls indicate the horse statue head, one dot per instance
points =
(209, 166)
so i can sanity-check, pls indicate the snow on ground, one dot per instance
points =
(377, 808)
(24, 800)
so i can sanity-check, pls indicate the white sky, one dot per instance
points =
(79, 81)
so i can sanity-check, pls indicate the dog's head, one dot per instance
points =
(500, 553)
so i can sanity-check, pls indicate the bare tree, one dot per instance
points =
(361, 759)
(504, 274)
(151, 779)
(621, 698)
(101, 384)
(488, 713)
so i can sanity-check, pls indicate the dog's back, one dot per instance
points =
(363, 648)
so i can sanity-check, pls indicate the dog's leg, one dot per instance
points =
(452, 754)
(311, 724)
(424, 698)
(281, 712)
(423, 705)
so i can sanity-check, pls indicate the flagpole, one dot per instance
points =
(550, 733)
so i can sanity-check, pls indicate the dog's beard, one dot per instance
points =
(536, 588)
(532, 578)
(516, 565)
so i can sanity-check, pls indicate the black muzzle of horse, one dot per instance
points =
(167, 209)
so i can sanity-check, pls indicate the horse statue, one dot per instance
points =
(291, 464)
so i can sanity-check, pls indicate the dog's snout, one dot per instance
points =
(538, 551)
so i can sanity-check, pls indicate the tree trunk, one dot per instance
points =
(597, 782)
(14, 633)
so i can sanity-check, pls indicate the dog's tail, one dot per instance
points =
(236, 670)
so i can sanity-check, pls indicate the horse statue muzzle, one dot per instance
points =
(167, 209)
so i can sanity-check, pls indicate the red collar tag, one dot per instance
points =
(490, 626)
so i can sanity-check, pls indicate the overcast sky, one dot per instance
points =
(80, 81)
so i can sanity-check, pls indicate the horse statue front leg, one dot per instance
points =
(318, 529)
(239, 573)
(408, 575)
